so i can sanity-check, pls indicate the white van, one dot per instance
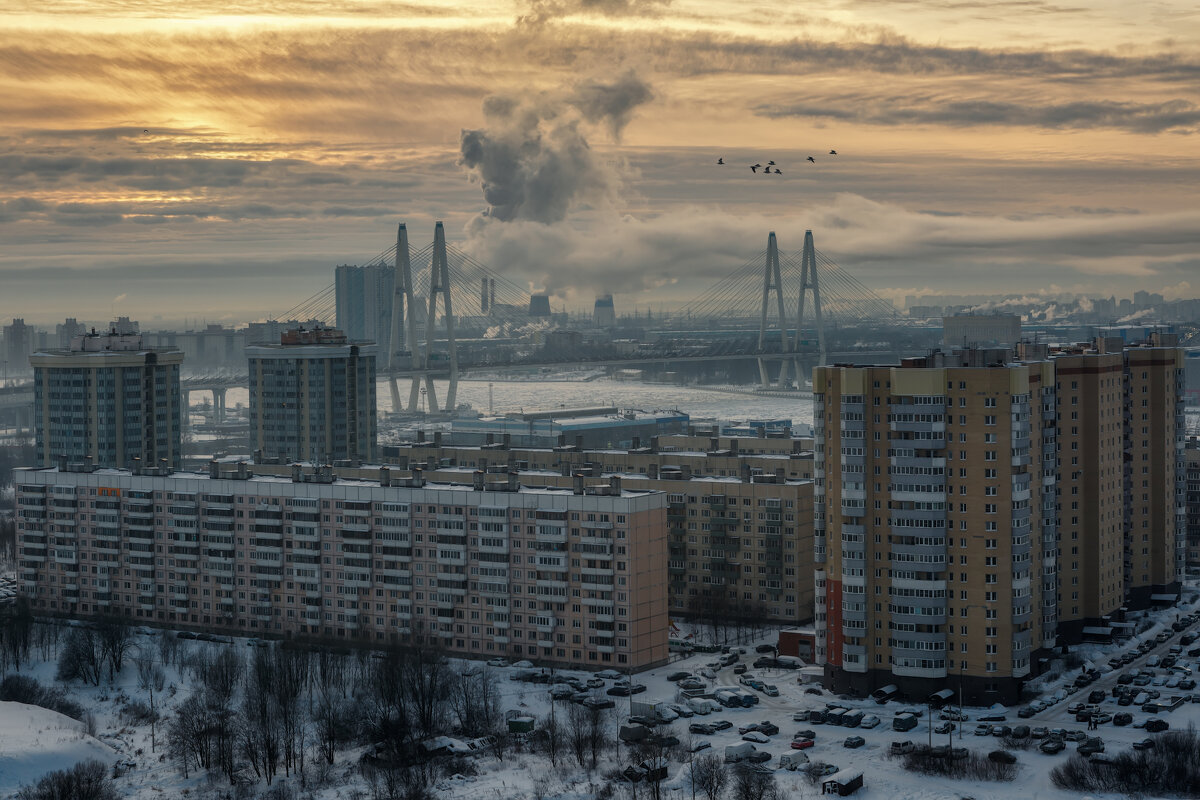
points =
(792, 759)
(737, 752)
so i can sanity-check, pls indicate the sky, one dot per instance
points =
(212, 161)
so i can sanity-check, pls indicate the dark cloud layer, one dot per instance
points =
(1180, 116)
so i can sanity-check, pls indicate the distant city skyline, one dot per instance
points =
(218, 163)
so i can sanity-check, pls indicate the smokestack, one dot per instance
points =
(297, 473)
(577, 483)
(483, 296)
(214, 469)
(385, 477)
(477, 480)
(492, 293)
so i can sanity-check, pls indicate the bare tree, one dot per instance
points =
(151, 678)
(80, 659)
(115, 639)
(710, 776)
(16, 632)
(261, 729)
(577, 733)
(750, 784)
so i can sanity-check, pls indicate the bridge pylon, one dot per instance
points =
(772, 280)
(439, 285)
(402, 347)
(809, 283)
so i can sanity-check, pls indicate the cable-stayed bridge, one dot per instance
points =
(451, 313)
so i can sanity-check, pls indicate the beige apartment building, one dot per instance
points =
(739, 523)
(574, 576)
(934, 565)
(1155, 471)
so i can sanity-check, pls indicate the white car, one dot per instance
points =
(708, 673)
(523, 665)
(497, 662)
(756, 737)
(698, 745)
(869, 721)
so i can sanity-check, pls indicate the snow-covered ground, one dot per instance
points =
(33, 740)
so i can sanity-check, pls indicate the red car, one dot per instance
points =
(802, 744)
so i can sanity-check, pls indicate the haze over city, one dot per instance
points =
(214, 161)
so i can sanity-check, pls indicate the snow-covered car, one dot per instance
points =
(698, 745)
(944, 727)
(756, 737)
(525, 665)
(952, 714)
(869, 721)
(497, 662)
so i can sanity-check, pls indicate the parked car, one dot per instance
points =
(675, 677)
(1157, 725)
(902, 748)
(983, 729)
(1001, 731)
(698, 745)
(618, 691)
(759, 757)
(805, 734)
(869, 721)
(599, 702)
(765, 648)
(739, 669)
(644, 719)
(944, 727)
(953, 715)
(769, 728)
(1002, 757)
(770, 690)
(1020, 732)
(1143, 744)
(497, 662)
(854, 742)
(722, 724)
(1052, 746)
(802, 744)
(800, 716)
(1026, 713)
(756, 737)
(1122, 718)
(1039, 733)
(702, 727)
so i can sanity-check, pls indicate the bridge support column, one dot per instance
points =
(218, 405)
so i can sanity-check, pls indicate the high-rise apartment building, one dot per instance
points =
(108, 398)
(364, 302)
(933, 562)
(312, 397)
(574, 577)
(1192, 501)
(739, 522)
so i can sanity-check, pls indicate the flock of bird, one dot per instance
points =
(767, 168)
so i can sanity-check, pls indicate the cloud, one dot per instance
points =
(541, 11)
(534, 161)
(1173, 115)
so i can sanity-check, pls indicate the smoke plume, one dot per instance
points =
(533, 159)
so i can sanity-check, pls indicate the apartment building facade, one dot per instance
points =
(109, 398)
(312, 397)
(575, 577)
(739, 523)
(934, 563)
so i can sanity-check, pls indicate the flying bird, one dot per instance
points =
(833, 152)
(770, 163)
(754, 167)
(720, 161)
(777, 172)
(813, 160)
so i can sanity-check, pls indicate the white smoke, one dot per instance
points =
(533, 159)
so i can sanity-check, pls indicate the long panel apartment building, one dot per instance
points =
(569, 576)
(739, 513)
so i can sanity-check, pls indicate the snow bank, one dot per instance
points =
(34, 741)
